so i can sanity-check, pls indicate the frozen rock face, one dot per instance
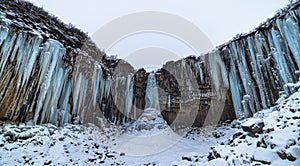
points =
(262, 63)
(195, 90)
(33, 78)
(52, 72)
(247, 74)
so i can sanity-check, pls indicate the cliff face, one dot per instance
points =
(52, 72)
(195, 91)
(261, 64)
(248, 73)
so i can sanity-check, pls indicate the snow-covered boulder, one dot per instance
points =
(253, 125)
(216, 162)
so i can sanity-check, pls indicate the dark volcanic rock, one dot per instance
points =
(213, 154)
(253, 126)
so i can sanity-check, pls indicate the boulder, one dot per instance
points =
(253, 125)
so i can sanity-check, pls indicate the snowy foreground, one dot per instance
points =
(271, 137)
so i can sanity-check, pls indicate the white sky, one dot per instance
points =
(219, 20)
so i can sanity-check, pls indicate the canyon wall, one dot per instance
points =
(262, 64)
(52, 72)
(239, 78)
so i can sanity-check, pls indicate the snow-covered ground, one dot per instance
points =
(271, 137)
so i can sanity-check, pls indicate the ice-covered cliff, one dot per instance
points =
(52, 72)
(247, 74)
(261, 64)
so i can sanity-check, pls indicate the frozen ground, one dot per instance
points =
(271, 137)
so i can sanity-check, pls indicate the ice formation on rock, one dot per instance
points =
(262, 63)
(51, 72)
(152, 92)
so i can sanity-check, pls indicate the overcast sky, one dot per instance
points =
(219, 20)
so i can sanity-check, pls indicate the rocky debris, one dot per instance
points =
(150, 122)
(194, 157)
(48, 162)
(190, 159)
(66, 145)
(271, 137)
(295, 151)
(12, 133)
(217, 134)
(196, 133)
(253, 126)
(213, 154)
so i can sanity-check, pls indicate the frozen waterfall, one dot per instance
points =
(152, 100)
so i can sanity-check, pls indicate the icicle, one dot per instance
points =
(33, 53)
(18, 44)
(56, 53)
(134, 110)
(258, 75)
(291, 32)
(66, 93)
(80, 87)
(235, 92)
(96, 81)
(3, 34)
(279, 56)
(218, 71)
(169, 102)
(130, 94)
(108, 83)
(6, 50)
(55, 93)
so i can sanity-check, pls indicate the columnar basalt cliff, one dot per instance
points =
(52, 72)
(244, 75)
(197, 91)
(261, 64)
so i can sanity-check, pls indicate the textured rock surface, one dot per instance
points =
(52, 72)
(248, 73)
(254, 126)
